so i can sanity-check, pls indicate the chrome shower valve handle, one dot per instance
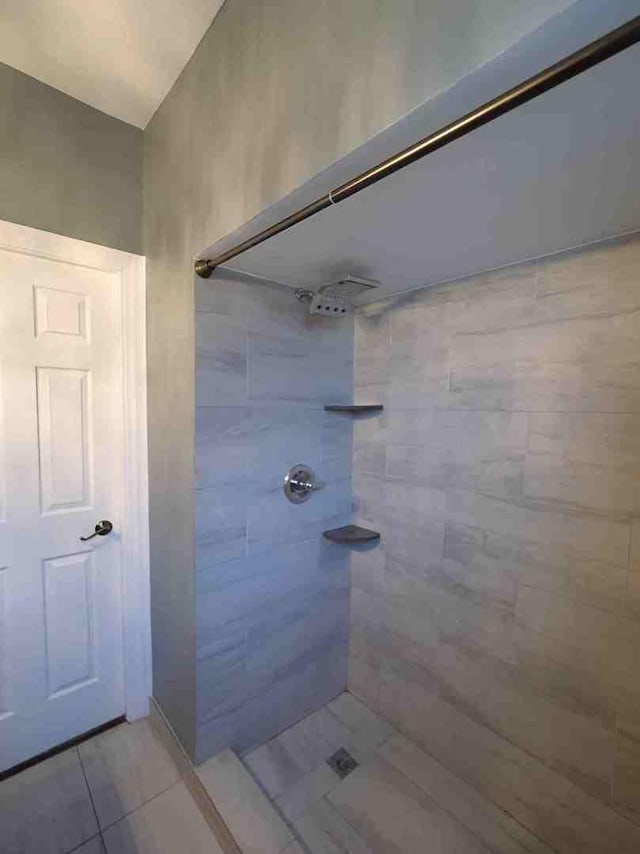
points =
(299, 483)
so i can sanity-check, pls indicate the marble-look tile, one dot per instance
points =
(317, 677)
(543, 800)
(221, 362)
(515, 394)
(586, 684)
(479, 432)
(283, 434)
(297, 799)
(414, 545)
(364, 676)
(611, 439)
(420, 360)
(223, 442)
(125, 767)
(266, 625)
(599, 387)
(324, 831)
(241, 593)
(609, 490)
(626, 781)
(221, 523)
(497, 473)
(287, 369)
(273, 767)
(272, 519)
(314, 739)
(295, 632)
(252, 820)
(595, 632)
(393, 814)
(371, 458)
(221, 680)
(411, 503)
(493, 826)
(564, 738)
(544, 565)
(47, 808)
(594, 537)
(367, 727)
(170, 822)
(491, 311)
(601, 265)
(585, 339)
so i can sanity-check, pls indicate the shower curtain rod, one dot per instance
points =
(592, 54)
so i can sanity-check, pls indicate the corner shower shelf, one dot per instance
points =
(351, 535)
(364, 407)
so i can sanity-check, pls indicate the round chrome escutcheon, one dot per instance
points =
(299, 483)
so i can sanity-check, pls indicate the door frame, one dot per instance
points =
(136, 610)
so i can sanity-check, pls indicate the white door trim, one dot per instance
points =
(135, 528)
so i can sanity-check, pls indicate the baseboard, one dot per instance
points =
(164, 731)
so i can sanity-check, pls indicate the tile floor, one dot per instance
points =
(118, 793)
(398, 801)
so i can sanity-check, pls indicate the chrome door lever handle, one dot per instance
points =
(101, 530)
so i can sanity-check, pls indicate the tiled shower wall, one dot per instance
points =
(271, 594)
(498, 623)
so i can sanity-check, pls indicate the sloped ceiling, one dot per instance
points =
(120, 56)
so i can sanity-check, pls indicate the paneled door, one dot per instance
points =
(61, 472)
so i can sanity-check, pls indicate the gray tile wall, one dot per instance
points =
(498, 623)
(271, 594)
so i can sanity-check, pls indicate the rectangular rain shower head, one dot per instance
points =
(339, 297)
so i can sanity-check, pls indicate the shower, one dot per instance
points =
(338, 297)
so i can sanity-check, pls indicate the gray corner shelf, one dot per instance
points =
(351, 535)
(364, 407)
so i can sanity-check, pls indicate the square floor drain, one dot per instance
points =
(342, 762)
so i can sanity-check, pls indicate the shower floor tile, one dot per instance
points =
(398, 798)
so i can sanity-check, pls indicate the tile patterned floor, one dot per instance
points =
(118, 793)
(398, 801)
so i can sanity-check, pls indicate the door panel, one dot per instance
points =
(69, 618)
(63, 433)
(61, 666)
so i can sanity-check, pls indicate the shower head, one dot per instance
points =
(338, 298)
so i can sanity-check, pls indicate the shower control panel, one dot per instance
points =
(299, 483)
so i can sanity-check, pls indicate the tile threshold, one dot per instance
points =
(212, 815)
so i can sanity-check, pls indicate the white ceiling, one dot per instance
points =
(561, 171)
(121, 56)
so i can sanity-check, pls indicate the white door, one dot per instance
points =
(61, 472)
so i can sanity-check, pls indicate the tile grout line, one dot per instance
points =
(90, 839)
(139, 807)
(89, 792)
(125, 814)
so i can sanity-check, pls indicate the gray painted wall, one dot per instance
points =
(66, 167)
(498, 622)
(272, 595)
(274, 93)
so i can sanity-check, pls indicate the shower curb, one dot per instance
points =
(165, 734)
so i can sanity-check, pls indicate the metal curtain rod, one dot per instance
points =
(595, 52)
